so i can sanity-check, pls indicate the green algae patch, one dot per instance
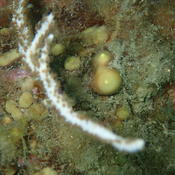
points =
(11, 136)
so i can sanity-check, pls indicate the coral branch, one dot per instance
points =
(36, 56)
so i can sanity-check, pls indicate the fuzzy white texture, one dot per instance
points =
(19, 19)
(57, 100)
(34, 44)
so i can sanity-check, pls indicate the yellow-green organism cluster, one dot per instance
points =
(105, 80)
(25, 107)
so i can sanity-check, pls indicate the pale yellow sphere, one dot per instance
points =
(72, 63)
(102, 59)
(57, 49)
(106, 81)
(122, 113)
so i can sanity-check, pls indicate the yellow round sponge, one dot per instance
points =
(106, 81)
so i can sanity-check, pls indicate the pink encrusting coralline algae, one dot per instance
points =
(15, 74)
(3, 3)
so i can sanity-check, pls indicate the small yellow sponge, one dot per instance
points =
(106, 81)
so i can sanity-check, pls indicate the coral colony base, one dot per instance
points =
(35, 53)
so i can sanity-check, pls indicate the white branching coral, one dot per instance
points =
(35, 53)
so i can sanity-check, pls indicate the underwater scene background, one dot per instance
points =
(114, 61)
